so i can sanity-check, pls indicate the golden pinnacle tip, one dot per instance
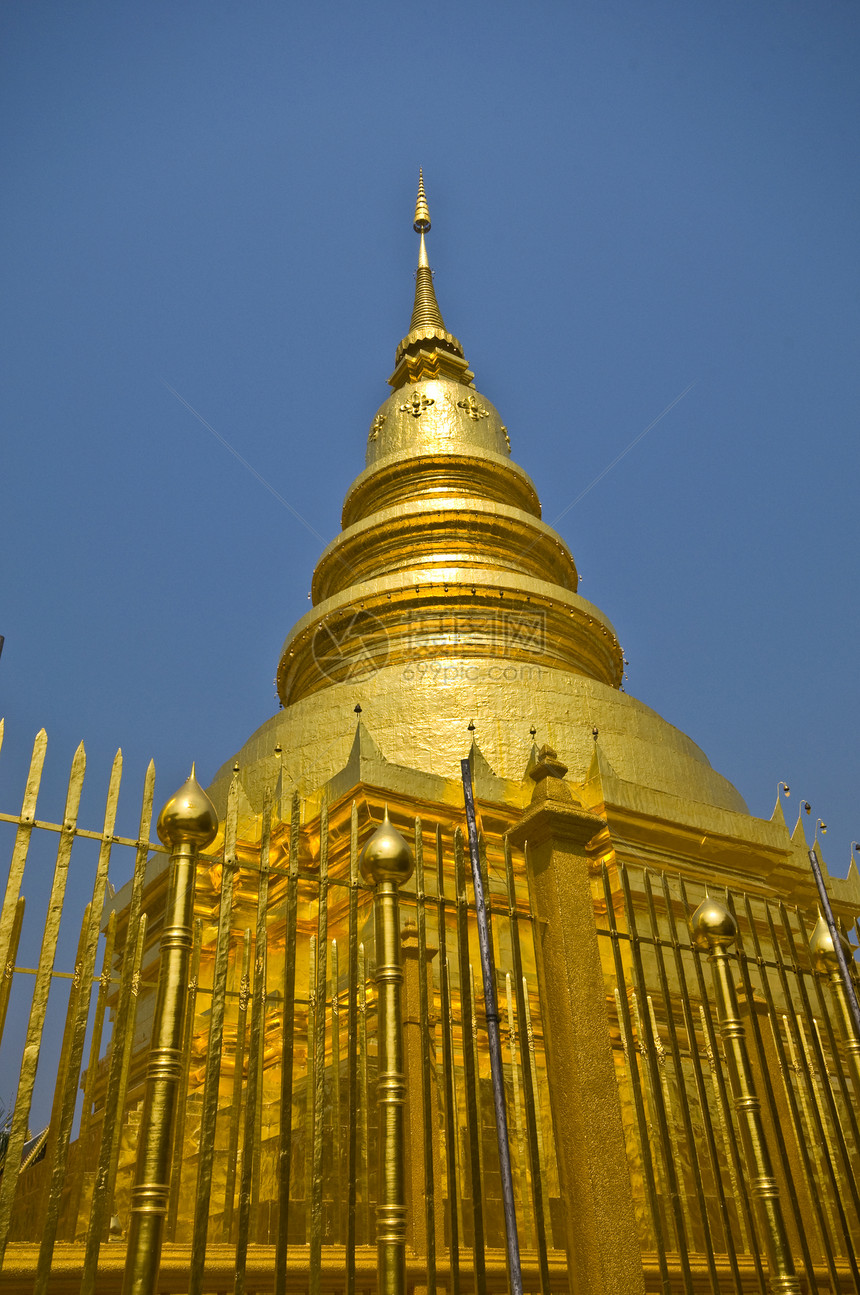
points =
(422, 211)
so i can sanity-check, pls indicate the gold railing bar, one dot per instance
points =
(60, 1083)
(112, 981)
(336, 1131)
(238, 1087)
(19, 850)
(479, 1106)
(451, 1126)
(659, 940)
(817, 1085)
(543, 1159)
(352, 1052)
(663, 1190)
(310, 1083)
(630, 1054)
(316, 1201)
(737, 1173)
(123, 1027)
(473, 1130)
(258, 1008)
(70, 1226)
(105, 983)
(88, 834)
(791, 1097)
(652, 1069)
(524, 1215)
(701, 1090)
(808, 1102)
(364, 1099)
(459, 1145)
(427, 1110)
(529, 1093)
(671, 1117)
(74, 1037)
(179, 1148)
(211, 1081)
(7, 969)
(125, 1047)
(691, 1157)
(19, 1128)
(254, 1215)
(285, 1129)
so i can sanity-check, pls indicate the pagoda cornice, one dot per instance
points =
(448, 613)
(463, 532)
(406, 475)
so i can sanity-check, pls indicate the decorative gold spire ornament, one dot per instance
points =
(422, 211)
(714, 931)
(428, 350)
(387, 861)
(187, 824)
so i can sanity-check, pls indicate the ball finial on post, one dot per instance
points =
(386, 856)
(189, 817)
(822, 950)
(713, 926)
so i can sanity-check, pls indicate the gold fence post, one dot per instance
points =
(387, 861)
(826, 962)
(187, 823)
(422, 1137)
(602, 1243)
(714, 931)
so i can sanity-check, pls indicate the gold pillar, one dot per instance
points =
(796, 1169)
(714, 931)
(419, 1139)
(602, 1248)
(187, 823)
(826, 963)
(387, 861)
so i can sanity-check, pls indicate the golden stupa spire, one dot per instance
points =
(428, 350)
(425, 312)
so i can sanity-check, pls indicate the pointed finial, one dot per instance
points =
(386, 856)
(426, 314)
(428, 350)
(422, 211)
(712, 925)
(189, 817)
(822, 949)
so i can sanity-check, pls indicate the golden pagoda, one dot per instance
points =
(287, 1059)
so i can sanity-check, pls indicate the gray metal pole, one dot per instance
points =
(488, 972)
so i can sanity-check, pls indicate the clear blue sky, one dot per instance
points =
(626, 199)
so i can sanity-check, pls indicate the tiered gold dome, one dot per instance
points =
(445, 598)
(442, 545)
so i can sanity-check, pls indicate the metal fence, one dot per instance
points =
(274, 1167)
(281, 1017)
(691, 1170)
